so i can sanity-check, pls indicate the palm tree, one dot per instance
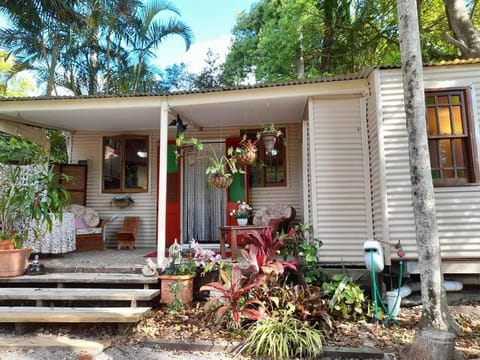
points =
(150, 31)
(36, 32)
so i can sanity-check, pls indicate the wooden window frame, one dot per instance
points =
(471, 154)
(122, 186)
(259, 165)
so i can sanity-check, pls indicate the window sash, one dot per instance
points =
(450, 137)
(125, 164)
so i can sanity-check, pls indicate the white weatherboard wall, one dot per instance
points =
(88, 146)
(458, 208)
(340, 183)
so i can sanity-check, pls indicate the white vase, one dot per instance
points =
(242, 222)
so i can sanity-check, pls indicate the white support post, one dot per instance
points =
(162, 184)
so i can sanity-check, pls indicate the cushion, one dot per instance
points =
(89, 230)
(275, 224)
(79, 224)
(90, 217)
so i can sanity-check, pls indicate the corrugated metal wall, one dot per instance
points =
(339, 180)
(458, 208)
(88, 146)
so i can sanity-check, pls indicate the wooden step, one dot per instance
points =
(79, 294)
(33, 314)
(86, 278)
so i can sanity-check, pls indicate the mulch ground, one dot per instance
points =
(193, 324)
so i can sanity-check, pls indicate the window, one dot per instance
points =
(451, 137)
(125, 164)
(269, 170)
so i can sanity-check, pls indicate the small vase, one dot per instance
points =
(242, 222)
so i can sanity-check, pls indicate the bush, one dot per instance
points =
(282, 336)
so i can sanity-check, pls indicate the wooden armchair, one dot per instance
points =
(127, 236)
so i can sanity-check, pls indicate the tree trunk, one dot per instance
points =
(430, 344)
(466, 36)
(435, 310)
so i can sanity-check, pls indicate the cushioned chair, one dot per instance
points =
(127, 236)
(88, 228)
(277, 216)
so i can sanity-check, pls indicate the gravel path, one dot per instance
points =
(113, 353)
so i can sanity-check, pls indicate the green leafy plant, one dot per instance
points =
(282, 336)
(347, 299)
(29, 195)
(304, 247)
(233, 300)
(194, 142)
(177, 304)
(187, 266)
(224, 165)
(269, 129)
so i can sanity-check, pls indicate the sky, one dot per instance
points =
(211, 22)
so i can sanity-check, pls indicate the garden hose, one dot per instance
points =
(377, 296)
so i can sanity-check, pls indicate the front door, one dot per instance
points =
(204, 206)
(173, 196)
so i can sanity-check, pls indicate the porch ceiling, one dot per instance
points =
(135, 113)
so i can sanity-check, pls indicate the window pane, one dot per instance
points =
(430, 100)
(457, 120)
(436, 174)
(445, 126)
(112, 164)
(432, 121)
(432, 147)
(455, 99)
(458, 145)
(448, 174)
(443, 100)
(136, 164)
(445, 154)
(462, 173)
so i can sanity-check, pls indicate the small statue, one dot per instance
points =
(150, 269)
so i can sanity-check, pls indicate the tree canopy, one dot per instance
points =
(288, 39)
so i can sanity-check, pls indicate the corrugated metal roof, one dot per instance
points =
(438, 63)
(354, 76)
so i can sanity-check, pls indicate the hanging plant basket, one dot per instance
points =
(269, 140)
(246, 158)
(189, 153)
(220, 181)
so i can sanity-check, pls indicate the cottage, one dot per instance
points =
(343, 165)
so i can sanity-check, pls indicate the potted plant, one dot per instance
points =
(31, 197)
(241, 213)
(122, 201)
(269, 134)
(221, 169)
(246, 153)
(176, 280)
(208, 264)
(188, 148)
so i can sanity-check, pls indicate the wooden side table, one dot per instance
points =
(235, 230)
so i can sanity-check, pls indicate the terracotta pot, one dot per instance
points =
(14, 262)
(186, 292)
(7, 244)
(220, 181)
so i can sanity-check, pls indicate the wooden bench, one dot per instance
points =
(79, 294)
